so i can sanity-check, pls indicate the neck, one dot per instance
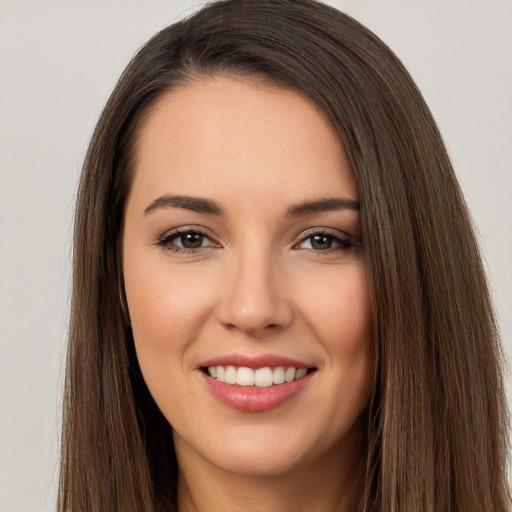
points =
(333, 484)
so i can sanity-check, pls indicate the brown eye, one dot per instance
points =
(186, 241)
(190, 240)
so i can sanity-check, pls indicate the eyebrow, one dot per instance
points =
(196, 204)
(210, 207)
(324, 205)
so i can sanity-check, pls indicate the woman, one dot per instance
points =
(278, 300)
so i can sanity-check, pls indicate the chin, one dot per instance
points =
(257, 462)
(272, 450)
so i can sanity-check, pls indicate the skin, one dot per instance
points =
(257, 284)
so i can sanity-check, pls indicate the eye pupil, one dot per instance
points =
(191, 240)
(321, 242)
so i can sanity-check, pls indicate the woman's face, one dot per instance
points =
(242, 255)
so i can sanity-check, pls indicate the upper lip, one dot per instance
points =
(254, 362)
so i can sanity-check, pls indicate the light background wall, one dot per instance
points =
(58, 62)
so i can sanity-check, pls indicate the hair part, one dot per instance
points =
(437, 423)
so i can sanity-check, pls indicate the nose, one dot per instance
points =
(254, 295)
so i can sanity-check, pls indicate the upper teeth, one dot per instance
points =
(261, 377)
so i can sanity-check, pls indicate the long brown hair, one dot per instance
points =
(437, 423)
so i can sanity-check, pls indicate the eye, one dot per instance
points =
(185, 240)
(190, 240)
(324, 242)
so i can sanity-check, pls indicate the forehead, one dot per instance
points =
(219, 137)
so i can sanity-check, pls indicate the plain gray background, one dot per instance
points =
(59, 61)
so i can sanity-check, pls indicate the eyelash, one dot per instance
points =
(167, 242)
(343, 243)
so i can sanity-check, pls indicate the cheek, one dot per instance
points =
(163, 302)
(166, 312)
(339, 309)
(342, 319)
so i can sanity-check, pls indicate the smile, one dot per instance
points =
(256, 384)
(259, 377)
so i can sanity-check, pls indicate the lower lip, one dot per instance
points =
(254, 399)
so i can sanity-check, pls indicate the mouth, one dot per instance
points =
(256, 384)
(264, 377)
